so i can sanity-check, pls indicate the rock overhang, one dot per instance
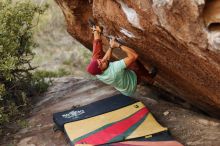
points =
(171, 35)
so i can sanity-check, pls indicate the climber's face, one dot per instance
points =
(103, 64)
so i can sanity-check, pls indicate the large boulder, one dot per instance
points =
(170, 34)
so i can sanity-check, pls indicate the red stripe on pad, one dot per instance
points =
(114, 130)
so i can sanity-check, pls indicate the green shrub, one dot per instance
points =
(43, 79)
(17, 82)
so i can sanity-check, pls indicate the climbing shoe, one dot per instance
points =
(153, 72)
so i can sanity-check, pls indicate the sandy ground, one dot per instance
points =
(188, 127)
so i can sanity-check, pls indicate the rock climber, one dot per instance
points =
(124, 74)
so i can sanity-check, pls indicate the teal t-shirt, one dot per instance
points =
(122, 79)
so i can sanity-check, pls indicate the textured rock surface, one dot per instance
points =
(212, 21)
(190, 128)
(170, 34)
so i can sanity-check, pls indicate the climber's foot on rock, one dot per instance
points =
(153, 72)
(149, 79)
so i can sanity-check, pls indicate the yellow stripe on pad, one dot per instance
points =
(82, 127)
(148, 127)
(79, 128)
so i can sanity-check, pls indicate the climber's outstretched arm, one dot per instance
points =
(97, 32)
(108, 54)
(131, 55)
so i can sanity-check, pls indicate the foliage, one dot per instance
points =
(43, 79)
(51, 74)
(16, 44)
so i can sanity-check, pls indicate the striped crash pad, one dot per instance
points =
(116, 121)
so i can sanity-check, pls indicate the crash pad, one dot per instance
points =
(116, 120)
(96, 108)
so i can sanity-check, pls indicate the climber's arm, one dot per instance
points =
(108, 54)
(131, 55)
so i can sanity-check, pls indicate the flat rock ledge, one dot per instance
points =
(188, 127)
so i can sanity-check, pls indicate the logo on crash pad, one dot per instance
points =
(73, 114)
